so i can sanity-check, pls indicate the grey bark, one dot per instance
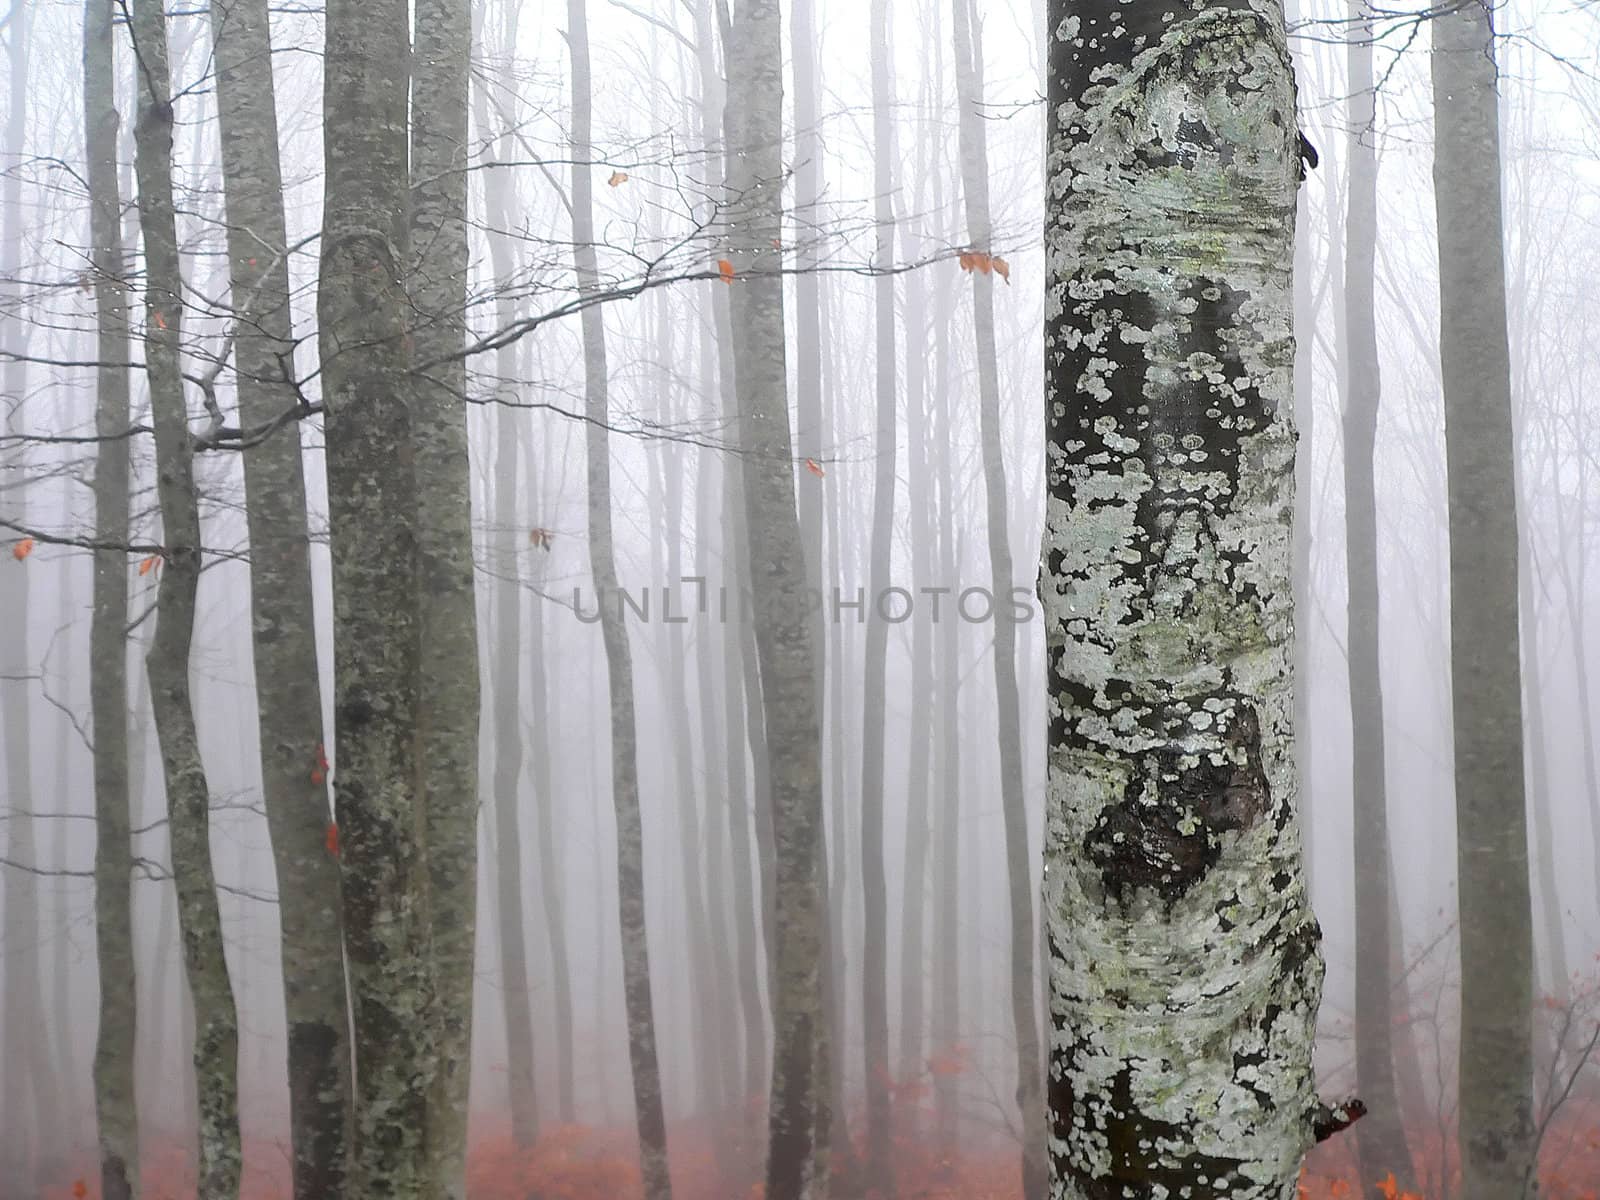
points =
(505, 672)
(879, 1165)
(505, 678)
(363, 311)
(1380, 1138)
(31, 1114)
(945, 1024)
(283, 639)
(448, 731)
(619, 667)
(1184, 961)
(108, 652)
(1496, 1052)
(1019, 860)
(216, 1033)
(797, 1109)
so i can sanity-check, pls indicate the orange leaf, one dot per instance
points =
(618, 178)
(331, 840)
(22, 549)
(725, 268)
(1388, 1186)
(252, 262)
(1003, 269)
(161, 321)
(149, 564)
(814, 467)
(776, 244)
(80, 1189)
(967, 259)
(541, 537)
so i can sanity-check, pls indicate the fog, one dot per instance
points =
(881, 282)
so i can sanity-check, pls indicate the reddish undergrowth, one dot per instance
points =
(575, 1162)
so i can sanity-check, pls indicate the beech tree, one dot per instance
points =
(1185, 972)
(1496, 1053)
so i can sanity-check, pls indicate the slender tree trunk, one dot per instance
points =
(1170, 811)
(108, 648)
(1496, 1055)
(448, 713)
(363, 312)
(1019, 860)
(505, 669)
(547, 798)
(946, 1015)
(797, 1111)
(32, 1115)
(624, 737)
(1380, 1138)
(874, 886)
(1541, 803)
(283, 640)
(216, 1046)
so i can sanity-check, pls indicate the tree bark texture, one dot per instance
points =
(1185, 972)
(363, 313)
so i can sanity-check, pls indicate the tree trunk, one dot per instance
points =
(283, 632)
(1496, 1055)
(1019, 860)
(1184, 960)
(1380, 1138)
(363, 311)
(624, 737)
(505, 671)
(32, 1115)
(874, 886)
(448, 731)
(108, 644)
(216, 1044)
(797, 1110)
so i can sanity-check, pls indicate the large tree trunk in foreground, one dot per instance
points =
(1496, 1064)
(216, 1040)
(1184, 961)
(602, 558)
(363, 312)
(1013, 801)
(108, 639)
(1380, 1138)
(283, 633)
(448, 713)
(797, 1110)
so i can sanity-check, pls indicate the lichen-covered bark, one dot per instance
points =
(362, 311)
(283, 633)
(1496, 1055)
(216, 1032)
(1380, 1139)
(1008, 719)
(1184, 965)
(448, 714)
(619, 665)
(797, 1111)
(108, 643)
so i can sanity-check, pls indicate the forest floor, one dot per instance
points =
(575, 1162)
